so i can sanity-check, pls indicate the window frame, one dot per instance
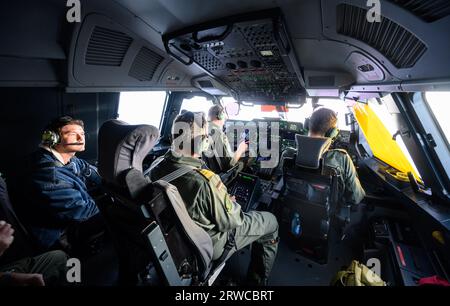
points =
(430, 166)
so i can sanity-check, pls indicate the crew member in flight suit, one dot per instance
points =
(209, 204)
(219, 140)
(323, 123)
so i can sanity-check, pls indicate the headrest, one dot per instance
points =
(122, 146)
(310, 150)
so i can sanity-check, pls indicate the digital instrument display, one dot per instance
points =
(344, 136)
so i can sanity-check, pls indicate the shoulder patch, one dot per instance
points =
(208, 174)
(228, 206)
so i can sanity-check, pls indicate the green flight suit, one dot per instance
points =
(210, 206)
(52, 266)
(350, 189)
(348, 183)
(221, 145)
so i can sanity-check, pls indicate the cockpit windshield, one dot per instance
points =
(250, 111)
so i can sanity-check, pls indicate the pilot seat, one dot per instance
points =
(154, 236)
(309, 200)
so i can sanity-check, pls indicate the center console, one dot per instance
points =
(246, 189)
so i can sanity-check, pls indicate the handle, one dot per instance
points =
(169, 51)
(279, 32)
(212, 37)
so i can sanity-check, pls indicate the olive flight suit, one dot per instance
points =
(210, 206)
(220, 146)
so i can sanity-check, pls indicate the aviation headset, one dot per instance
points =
(218, 112)
(221, 114)
(50, 138)
(51, 135)
(332, 133)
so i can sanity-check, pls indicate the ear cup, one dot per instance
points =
(332, 133)
(221, 115)
(50, 138)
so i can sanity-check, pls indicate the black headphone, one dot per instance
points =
(51, 135)
(216, 112)
(221, 113)
(332, 133)
(50, 138)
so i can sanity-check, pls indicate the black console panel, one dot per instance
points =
(251, 54)
(247, 190)
(408, 257)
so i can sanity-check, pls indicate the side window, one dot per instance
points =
(439, 103)
(196, 104)
(438, 108)
(295, 114)
(142, 107)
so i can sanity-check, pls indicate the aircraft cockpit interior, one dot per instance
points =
(315, 129)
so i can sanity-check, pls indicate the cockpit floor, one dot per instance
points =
(293, 269)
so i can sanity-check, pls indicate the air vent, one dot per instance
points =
(145, 65)
(107, 47)
(430, 10)
(399, 45)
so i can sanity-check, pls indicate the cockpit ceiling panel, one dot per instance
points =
(430, 10)
(251, 54)
(395, 42)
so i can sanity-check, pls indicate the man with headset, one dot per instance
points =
(56, 193)
(220, 145)
(208, 202)
(323, 123)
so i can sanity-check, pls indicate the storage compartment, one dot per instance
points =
(406, 255)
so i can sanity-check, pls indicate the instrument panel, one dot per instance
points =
(344, 137)
(284, 137)
(276, 132)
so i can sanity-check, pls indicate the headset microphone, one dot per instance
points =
(73, 144)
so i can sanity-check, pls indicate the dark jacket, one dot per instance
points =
(56, 195)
